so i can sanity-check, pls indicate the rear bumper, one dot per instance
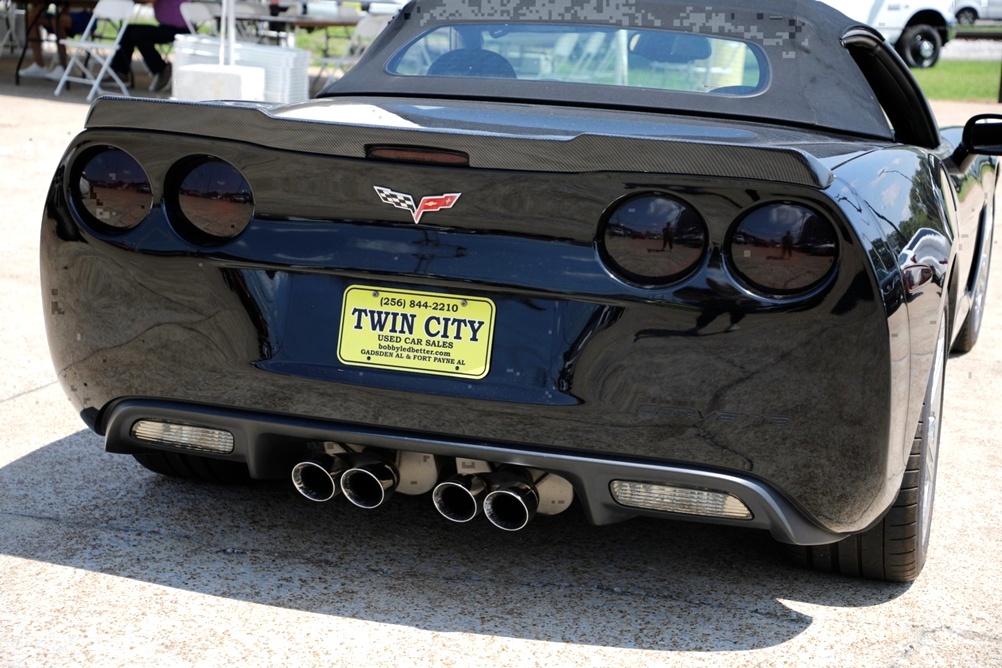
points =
(271, 444)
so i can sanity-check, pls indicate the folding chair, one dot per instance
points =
(250, 19)
(93, 51)
(367, 30)
(12, 28)
(197, 15)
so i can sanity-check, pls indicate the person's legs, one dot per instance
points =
(145, 38)
(66, 27)
(37, 20)
(121, 62)
(63, 30)
(160, 34)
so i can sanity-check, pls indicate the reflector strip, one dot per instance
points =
(185, 436)
(670, 499)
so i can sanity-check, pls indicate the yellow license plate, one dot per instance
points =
(421, 332)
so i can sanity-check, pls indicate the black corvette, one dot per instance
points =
(686, 261)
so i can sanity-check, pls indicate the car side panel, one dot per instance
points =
(973, 183)
(912, 199)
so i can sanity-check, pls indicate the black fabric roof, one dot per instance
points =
(815, 81)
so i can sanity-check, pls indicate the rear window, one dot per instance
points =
(652, 59)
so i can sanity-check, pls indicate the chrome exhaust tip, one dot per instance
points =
(317, 479)
(459, 498)
(370, 481)
(512, 502)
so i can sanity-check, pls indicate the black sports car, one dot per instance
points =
(699, 262)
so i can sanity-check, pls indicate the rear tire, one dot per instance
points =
(895, 549)
(191, 467)
(920, 46)
(967, 16)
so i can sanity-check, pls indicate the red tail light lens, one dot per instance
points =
(654, 239)
(112, 189)
(783, 248)
(214, 201)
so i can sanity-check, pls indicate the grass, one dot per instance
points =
(314, 42)
(982, 29)
(961, 80)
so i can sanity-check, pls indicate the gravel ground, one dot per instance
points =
(973, 49)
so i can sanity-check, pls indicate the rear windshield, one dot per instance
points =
(568, 53)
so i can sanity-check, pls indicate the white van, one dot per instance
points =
(969, 11)
(917, 29)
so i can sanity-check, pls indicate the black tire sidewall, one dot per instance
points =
(932, 420)
(908, 45)
(967, 16)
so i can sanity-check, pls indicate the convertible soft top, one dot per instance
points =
(813, 79)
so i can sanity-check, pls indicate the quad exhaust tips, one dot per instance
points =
(508, 497)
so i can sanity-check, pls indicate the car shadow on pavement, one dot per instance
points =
(645, 584)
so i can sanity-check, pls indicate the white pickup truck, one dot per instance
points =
(918, 30)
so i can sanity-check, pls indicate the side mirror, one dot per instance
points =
(982, 136)
(916, 276)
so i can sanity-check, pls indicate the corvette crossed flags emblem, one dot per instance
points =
(428, 204)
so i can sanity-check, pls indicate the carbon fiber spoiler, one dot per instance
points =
(261, 124)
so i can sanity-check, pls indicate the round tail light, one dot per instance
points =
(783, 248)
(653, 240)
(213, 201)
(111, 190)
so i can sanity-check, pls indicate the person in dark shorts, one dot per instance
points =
(145, 37)
(70, 24)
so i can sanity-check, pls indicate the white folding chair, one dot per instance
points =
(12, 27)
(250, 16)
(197, 15)
(93, 51)
(367, 30)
